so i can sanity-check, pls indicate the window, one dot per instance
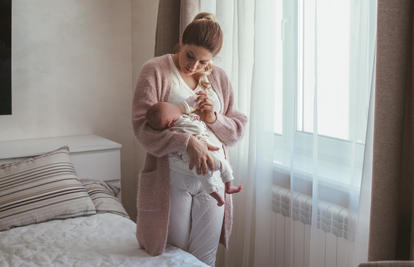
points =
(323, 47)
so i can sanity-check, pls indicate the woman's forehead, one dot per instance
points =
(198, 52)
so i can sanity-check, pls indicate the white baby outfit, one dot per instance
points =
(190, 123)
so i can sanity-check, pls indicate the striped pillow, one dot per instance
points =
(40, 189)
(104, 197)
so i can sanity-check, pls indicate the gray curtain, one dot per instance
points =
(173, 17)
(391, 225)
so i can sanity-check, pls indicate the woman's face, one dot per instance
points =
(193, 58)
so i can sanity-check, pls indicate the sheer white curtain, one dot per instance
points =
(302, 71)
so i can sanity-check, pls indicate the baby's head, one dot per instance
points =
(162, 115)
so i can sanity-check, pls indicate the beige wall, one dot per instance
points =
(75, 63)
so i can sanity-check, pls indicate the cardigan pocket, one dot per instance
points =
(149, 192)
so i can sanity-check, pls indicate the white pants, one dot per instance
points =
(195, 219)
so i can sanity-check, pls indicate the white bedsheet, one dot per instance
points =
(98, 240)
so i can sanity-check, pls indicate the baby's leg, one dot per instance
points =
(226, 173)
(207, 180)
(217, 196)
(211, 188)
(230, 189)
(221, 164)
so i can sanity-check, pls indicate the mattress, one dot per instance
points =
(97, 240)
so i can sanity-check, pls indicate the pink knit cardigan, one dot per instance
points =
(153, 201)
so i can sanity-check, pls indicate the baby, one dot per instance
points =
(165, 115)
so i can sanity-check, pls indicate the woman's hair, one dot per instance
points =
(204, 31)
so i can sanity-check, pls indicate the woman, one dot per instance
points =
(172, 207)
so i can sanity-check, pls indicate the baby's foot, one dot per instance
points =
(217, 196)
(233, 189)
(220, 202)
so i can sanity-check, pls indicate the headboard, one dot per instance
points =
(92, 156)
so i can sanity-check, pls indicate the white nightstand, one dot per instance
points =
(92, 156)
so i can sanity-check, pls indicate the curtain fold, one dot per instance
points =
(391, 230)
(237, 21)
(188, 10)
(262, 116)
(173, 17)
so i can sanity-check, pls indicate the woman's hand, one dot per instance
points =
(206, 107)
(198, 152)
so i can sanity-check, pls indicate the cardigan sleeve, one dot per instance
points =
(229, 125)
(148, 91)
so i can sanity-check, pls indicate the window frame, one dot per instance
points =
(331, 149)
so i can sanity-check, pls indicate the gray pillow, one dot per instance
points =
(41, 188)
(104, 196)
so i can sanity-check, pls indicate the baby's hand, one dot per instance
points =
(194, 117)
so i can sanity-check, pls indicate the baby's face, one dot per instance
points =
(171, 113)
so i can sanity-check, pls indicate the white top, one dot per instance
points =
(181, 91)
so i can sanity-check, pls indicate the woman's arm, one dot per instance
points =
(199, 156)
(148, 91)
(229, 126)
(197, 149)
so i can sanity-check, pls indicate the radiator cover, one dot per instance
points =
(332, 218)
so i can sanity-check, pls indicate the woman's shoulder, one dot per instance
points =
(218, 77)
(219, 72)
(159, 63)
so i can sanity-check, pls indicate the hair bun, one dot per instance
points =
(205, 15)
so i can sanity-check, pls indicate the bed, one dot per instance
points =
(96, 240)
(51, 217)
